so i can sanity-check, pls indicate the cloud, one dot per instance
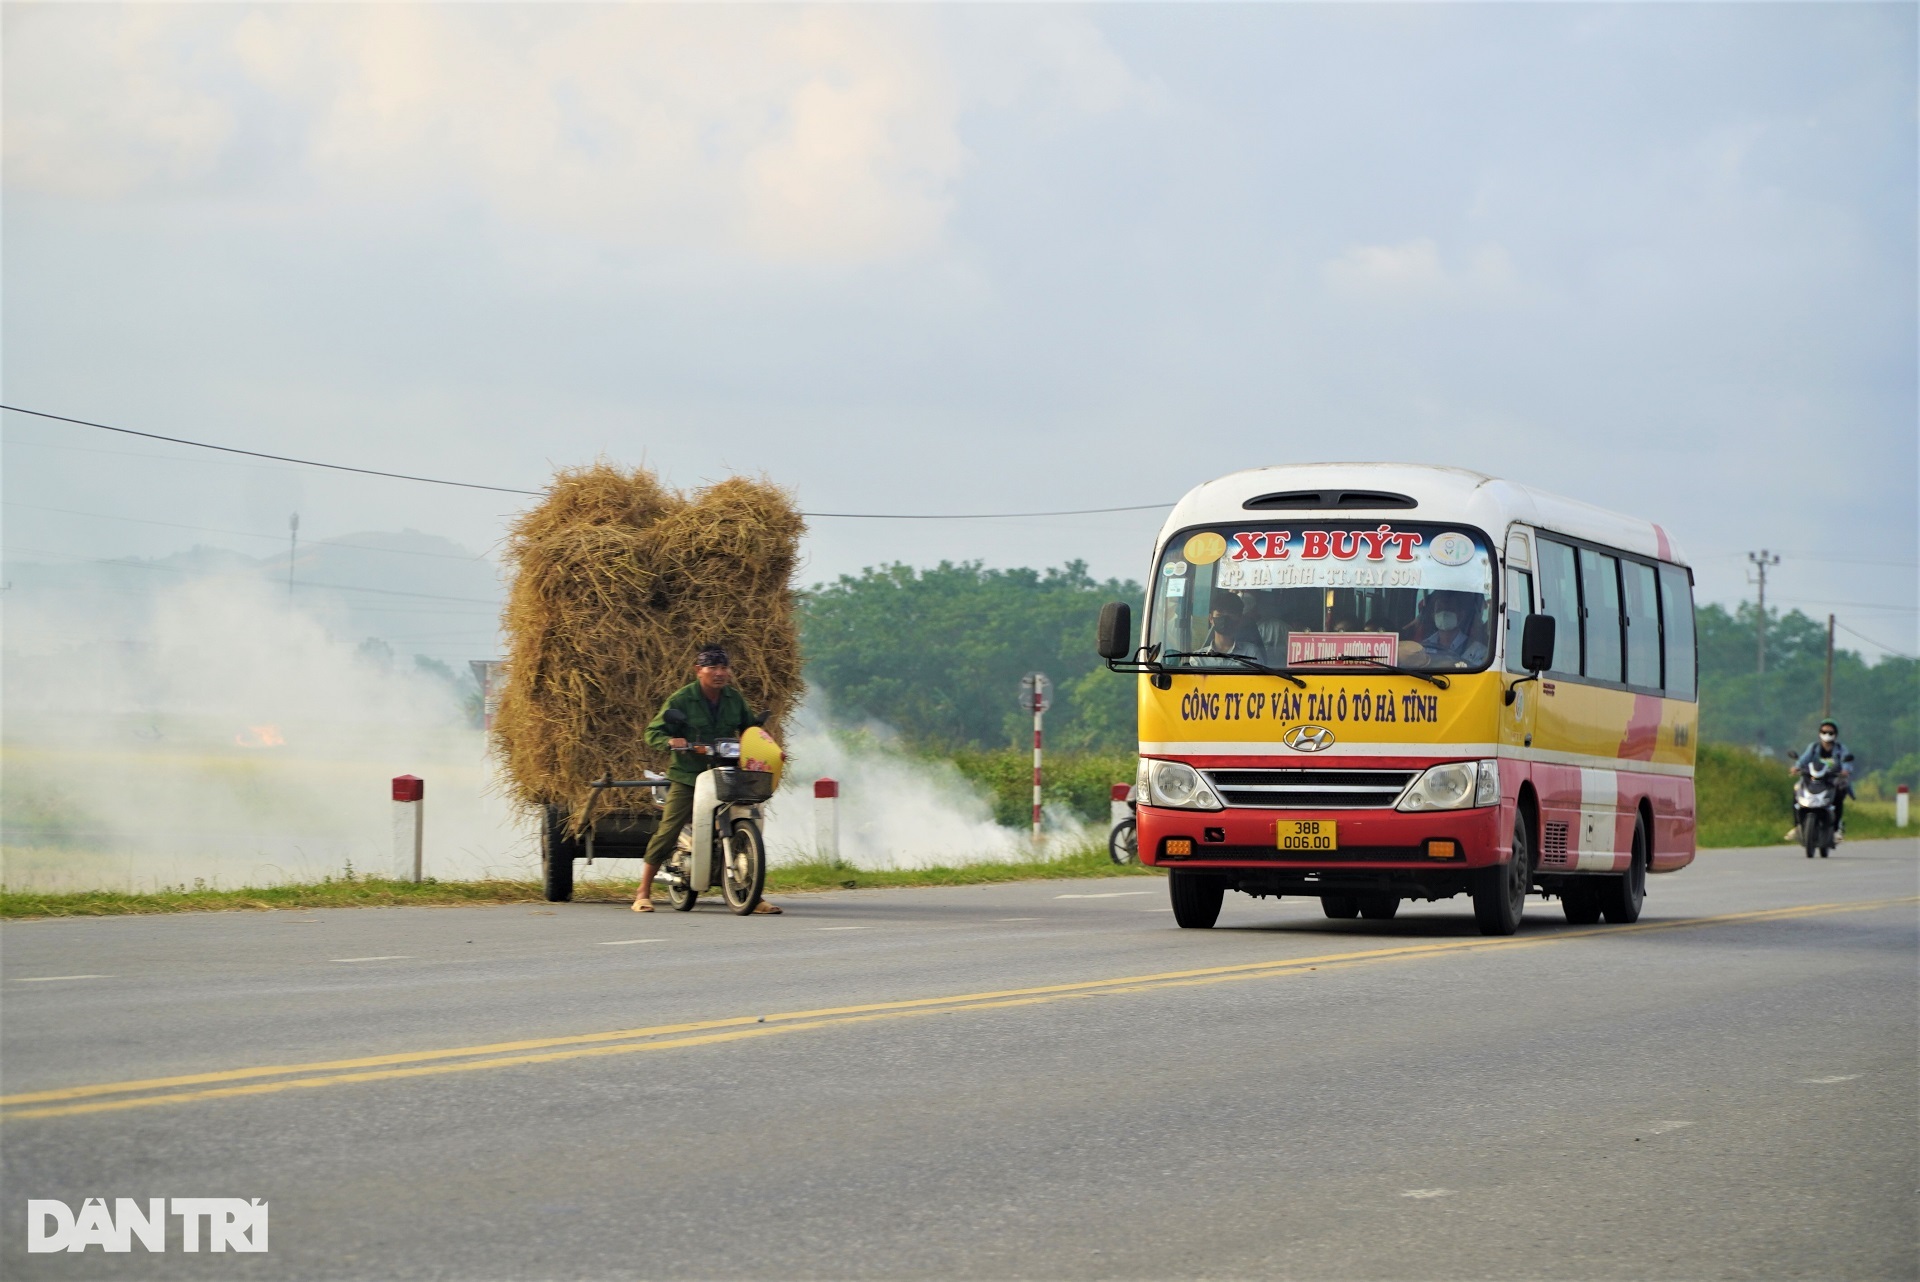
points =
(101, 102)
(788, 135)
(1414, 272)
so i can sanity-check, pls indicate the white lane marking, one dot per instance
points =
(1661, 1128)
(1162, 909)
(391, 957)
(1424, 1194)
(1111, 894)
(1829, 1081)
(839, 927)
(615, 943)
(48, 979)
(1017, 919)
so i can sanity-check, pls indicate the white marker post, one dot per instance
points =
(409, 825)
(1900, 806)
(826, 819)
(1036, 693)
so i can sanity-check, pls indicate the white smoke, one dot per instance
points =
(210, 732)
(222, 736)
(896, 810)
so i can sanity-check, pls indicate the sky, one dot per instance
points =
(963, 259)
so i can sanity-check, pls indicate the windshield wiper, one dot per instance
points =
(1433, 678)
(1253, 665)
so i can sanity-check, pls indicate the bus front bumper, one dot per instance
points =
(1441, 841)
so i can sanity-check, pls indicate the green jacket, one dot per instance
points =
(704, 725)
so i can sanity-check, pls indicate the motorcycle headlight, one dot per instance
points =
(1453, 786)
(1179, 785)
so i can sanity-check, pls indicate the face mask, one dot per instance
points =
(1446, 620)
(1826, 737)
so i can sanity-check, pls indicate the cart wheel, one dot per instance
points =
(744, 875)
(557, 853)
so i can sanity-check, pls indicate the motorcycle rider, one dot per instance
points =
(1827, 746)
(715, 709)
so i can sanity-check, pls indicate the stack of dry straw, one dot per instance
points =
(617, 583)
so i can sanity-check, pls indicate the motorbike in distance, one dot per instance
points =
(727, 821)
(1817, 789)
(1123, 843)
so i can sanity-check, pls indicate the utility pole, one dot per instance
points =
(293, 549)
(1826, 709)
(1764, 560)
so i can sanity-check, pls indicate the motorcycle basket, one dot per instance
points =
(731, 784)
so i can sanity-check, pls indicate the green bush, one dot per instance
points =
(1744, 799)
(1083, 780)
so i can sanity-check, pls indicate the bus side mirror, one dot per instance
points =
(1536, 642)
(1115, 637)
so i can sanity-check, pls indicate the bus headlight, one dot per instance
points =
(1454, 786)
(1179, 785)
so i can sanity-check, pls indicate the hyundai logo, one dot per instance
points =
(1308, 738)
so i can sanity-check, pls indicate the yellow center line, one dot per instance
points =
(745, 1027)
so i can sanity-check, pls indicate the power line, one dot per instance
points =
(245, 534)
(305, 583)
(277, 458)
(503, 489)
(1851, 605)
(1870, 641)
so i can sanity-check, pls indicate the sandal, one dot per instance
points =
(643, 905)
(768, 909)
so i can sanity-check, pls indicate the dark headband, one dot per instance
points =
(712, 657)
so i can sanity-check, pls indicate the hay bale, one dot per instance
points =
(618, 582)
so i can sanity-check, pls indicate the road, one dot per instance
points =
(1039, 1080)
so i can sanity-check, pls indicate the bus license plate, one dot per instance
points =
(1307, 834)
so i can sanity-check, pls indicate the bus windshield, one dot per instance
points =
(1324, 595)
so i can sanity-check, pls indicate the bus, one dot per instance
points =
(1370, 683)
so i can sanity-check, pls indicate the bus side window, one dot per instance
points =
(1560, 597)
(1676, 601)
(1643, 625)
(1519, 604)
(1600, 595)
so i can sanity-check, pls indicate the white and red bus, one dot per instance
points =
(1369, 683)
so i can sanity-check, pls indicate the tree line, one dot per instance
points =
(938, 654)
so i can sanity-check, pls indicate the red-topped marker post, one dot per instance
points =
(826, 819)
(1900, 806)
(409, 825)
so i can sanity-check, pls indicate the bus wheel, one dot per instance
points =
(1196, 899)
(1500, 894)
(1581, 903)
(1379, 907)
(1624, 894)
(1340, 907)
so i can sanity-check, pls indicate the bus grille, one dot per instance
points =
(1311, 789)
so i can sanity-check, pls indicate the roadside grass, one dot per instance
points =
(1745, 799)
(353, 891)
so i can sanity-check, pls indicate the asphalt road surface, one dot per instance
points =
(1042, 1080)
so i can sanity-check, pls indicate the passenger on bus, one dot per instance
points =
(1445, 633)
(1228, 632)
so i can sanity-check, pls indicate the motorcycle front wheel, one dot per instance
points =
(1123, 843)
(1814, 828)
(743, 873)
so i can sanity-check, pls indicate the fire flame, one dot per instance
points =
(260, 737)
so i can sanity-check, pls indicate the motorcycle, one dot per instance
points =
(727, 821)
(1817, 790)
(1123, 843)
